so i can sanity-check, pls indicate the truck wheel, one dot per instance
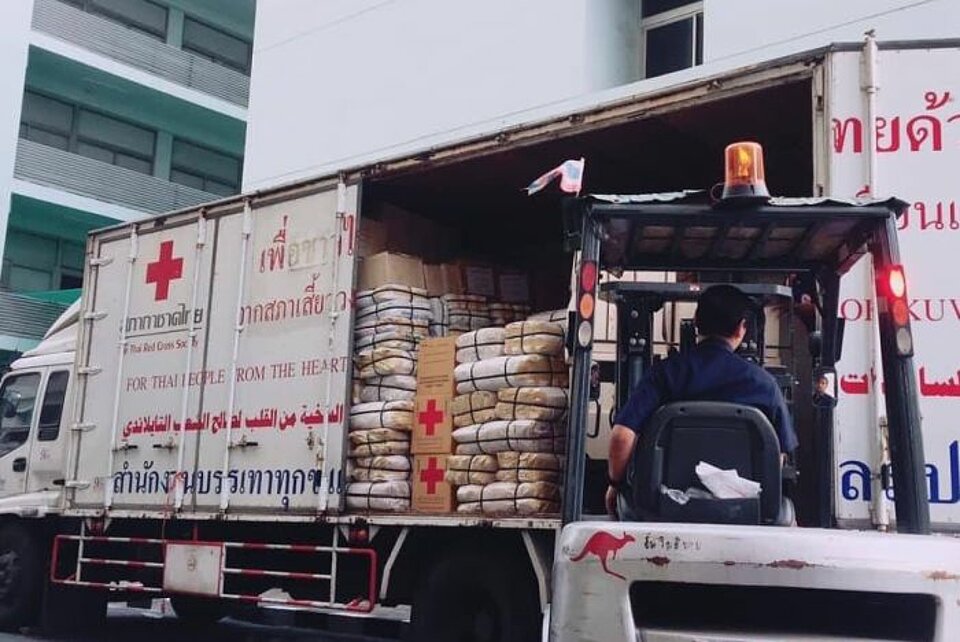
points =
(198, 610)
(67, 610)
(21, 577)
(468, 597)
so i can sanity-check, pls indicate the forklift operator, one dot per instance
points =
(711, 371)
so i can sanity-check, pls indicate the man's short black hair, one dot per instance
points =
(720, 310)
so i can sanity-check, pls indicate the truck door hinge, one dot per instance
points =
(89, 370)
(95, 316)
(100, 261)
(124, 446)
(76, 483)
(83, 426)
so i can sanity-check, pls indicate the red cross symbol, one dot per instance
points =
(163, 270)
(431, 475)
(430, 417)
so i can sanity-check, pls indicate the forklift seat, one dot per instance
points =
(729, 436)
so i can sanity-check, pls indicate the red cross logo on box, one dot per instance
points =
(430, 417)
(431, 475)
(164, 270)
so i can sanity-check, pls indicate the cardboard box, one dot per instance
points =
(513, 286)
(478, 279)
(371, 237)
(433, 277)
(390, 268)
(431, 493)
(444, 278)
(452, 279)
(432, 421)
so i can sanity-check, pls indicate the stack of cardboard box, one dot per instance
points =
(433, 426)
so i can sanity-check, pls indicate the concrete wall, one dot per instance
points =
(335, 80)
(744, 31)
(344, 80)
(14, 38)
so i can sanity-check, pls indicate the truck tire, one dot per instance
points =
(198, 611)
(21, 576)
(67, 610)
(469, 597)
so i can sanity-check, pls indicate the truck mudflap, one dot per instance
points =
(252, 572)
(628, 581)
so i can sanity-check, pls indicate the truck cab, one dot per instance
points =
(33, 397)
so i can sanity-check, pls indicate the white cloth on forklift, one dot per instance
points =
(537, 402)
(515, 466)
(395, 340)
(509, 498)
(471, 469)
(381, 362)
(383, 468)
(534, 337)
(511, 372)
(391, 496)
(473, 408)
(389, 388)
(726, 484)
(390, 292)
(396, 415)
(523, 435)
(485, 343)
(391, 311)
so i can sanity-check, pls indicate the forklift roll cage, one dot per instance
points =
(682, 232)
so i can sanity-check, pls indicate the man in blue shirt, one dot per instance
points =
(711, 371)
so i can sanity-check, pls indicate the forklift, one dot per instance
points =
(728, 569)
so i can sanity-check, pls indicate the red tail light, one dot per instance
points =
(895, 284)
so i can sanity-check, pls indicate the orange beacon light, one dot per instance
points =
(744, 177)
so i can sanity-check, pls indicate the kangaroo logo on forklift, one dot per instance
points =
(164, 270)
(604, 545)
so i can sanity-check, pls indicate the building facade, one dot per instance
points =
(111, 110)
(392, 76)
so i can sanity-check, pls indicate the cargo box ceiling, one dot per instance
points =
(683, 148)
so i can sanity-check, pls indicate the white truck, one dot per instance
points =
(181, 431)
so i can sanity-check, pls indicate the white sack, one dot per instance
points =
(381, 362)
(471, 469)
(542, 403)
(485, 343)
(396, 415)
(500, 436)
(393, 496)
(473, 408)
(509, 498)
(511, 372)
(389, 388)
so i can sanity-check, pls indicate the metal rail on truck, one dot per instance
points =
(204, 568)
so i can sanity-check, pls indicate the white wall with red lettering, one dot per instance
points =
(918, 153)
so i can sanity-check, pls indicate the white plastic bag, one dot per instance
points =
(726, 484)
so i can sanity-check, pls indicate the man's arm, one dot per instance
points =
(644, 401)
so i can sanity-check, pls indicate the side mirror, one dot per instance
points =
(825, 388)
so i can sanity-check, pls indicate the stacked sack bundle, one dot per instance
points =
(502, 314)
(509, 417)
(456, 313)
(390, 322)
(378, 459)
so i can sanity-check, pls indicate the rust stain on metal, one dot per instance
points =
(942, 575)
(658, 560)
(792, 564)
